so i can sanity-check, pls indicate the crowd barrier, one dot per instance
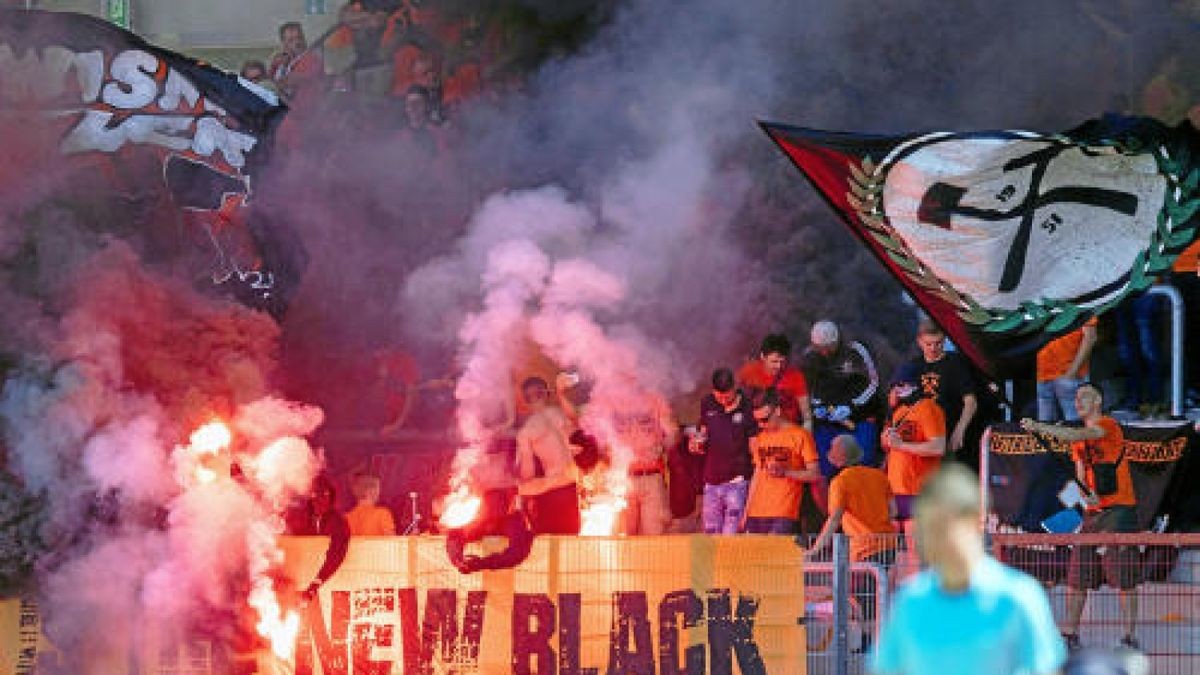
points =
(1165, 569)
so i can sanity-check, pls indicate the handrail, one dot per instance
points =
(1177, 318)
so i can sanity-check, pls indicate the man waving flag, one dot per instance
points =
(1008, 238)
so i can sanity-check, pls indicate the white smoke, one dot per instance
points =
(151, 539)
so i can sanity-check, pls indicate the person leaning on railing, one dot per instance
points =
(1102, 468)
(860, 502)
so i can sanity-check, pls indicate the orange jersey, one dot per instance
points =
(779, 497)
(1106, 449)
(864, 495)
(1056, 356)
(371, 521)
(922, 421)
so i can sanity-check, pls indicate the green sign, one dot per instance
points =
(117, 11)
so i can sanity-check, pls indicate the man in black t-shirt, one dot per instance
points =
(725, 428)
(947, 378)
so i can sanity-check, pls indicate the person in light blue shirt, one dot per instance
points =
(967, 612)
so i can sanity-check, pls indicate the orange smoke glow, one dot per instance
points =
(273, 624)
(459, 509)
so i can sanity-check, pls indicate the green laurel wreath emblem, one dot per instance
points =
(1175, 230)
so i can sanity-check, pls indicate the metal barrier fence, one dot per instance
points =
(1160, 606)
(1162, 571)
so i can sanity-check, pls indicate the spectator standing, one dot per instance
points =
(367, 21)
(642, 428)
(771, 371)
(253, 71)
(915, 441)
(967, 612)
(368, 518)
(785, 457)
(725, 429)
(296, 69)
(1062, 365)
(545, 465)
(861, 504)
(318, 517)
(419, 130)
(1101, 466)
(945, 377)
(844, 386)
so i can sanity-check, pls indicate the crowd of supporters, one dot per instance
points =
(428, 60)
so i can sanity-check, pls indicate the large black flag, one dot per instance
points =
(1008, 238)
(108, 92)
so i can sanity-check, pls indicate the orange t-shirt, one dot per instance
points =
(402, 68)
(779, 497)
(1106, 449)
(371, 521)
(922, 421)
(863, 493)
(1056, 356)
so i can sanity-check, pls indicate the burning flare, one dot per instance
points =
(201, 466)
(273, 624)
(599, 518)
(602, 512)
(206, 457)
(460, 508)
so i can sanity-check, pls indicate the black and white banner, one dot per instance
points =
(1008, 238)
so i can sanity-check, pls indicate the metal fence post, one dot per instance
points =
(841, 605)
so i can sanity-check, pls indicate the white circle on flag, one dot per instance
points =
(958, 209)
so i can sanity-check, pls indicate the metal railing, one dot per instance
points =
(1177, 313)
(845, 603)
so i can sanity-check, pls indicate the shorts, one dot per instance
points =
(555, 511)
(1119, 566)
(905, 507)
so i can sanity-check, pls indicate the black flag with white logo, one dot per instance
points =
(110, 96)
(1008, 238)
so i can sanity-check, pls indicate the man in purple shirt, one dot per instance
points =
(725, 428)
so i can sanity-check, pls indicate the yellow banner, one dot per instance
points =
(22, 644)
(577, 606)
(666, 605)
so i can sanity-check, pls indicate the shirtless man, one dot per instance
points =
(544, 464)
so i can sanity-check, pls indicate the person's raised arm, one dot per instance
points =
(1069, 434)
